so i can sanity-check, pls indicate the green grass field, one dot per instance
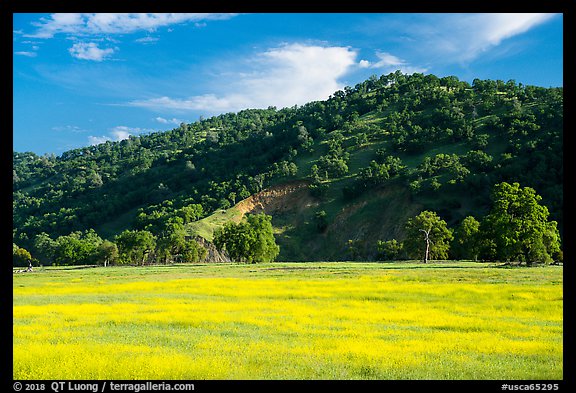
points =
(401, 321)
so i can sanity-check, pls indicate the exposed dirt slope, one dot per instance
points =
(277, 200)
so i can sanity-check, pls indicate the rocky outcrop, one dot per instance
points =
(212, 253)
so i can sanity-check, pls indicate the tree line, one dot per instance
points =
(517, 228)
(130, 247)
(249, 241)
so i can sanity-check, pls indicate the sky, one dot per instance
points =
(86, 78)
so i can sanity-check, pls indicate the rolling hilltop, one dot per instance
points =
(336, 175)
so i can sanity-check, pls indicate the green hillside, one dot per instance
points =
(336, 175)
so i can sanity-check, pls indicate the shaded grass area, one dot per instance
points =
(206, 226)
(319, 320)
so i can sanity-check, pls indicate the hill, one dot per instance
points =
(336, 175)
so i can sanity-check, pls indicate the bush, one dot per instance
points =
(389, 250)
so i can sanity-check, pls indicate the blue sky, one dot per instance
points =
(82, 79)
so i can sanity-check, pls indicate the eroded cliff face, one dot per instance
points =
(212, 253)
(279, 199)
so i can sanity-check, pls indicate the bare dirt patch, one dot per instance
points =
(278, 199)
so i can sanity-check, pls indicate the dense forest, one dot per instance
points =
(370, 157)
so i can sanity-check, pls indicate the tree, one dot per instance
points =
(477, 160)
(304, 138)
(353, 248)
(333, 166)
(135, 246)
(77, 248)
(374, 174)
(389, 250)
(265, 247)
(69, 250)
(21, 256)
(173, 244)
(427, 237)
(107, 253)
(517, 225)
(251, 240)
(44, 247)
(192, 251)
(94, 179)
(466, 244)
(170, 241)
(190, 213)
(236, 239)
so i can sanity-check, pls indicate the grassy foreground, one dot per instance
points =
(289, 321)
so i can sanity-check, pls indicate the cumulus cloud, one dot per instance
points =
(122, 132)
(296, 73)
(291, 74)
(114, 23)
(96, 25)
(89, 51)
(364, 64)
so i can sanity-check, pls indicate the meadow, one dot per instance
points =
(443, 320)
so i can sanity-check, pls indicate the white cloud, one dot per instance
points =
(291, 74)
(117, 133)
(298, 73)
(114, 23)
(388, 62)
(203, 102)
(147, 40)
(121, 132)
(26, 53)
(95, 25)
(96, 140)
(453, 38)
(169, 121)
(60, 22)
(69, 128)
(89, 51)
(364, 64)
(465, 37)
(492, 29)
